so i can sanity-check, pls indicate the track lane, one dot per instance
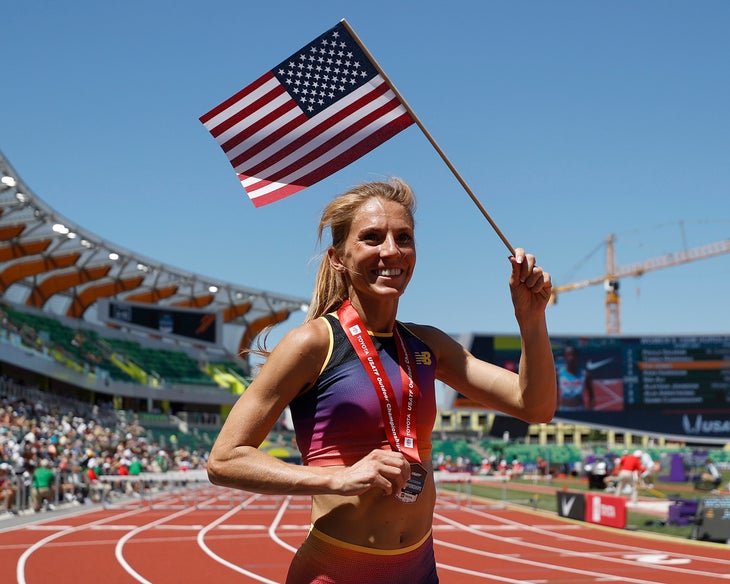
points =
(269, 544)
(511, 545)
(253, 541)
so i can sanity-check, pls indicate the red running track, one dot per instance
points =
(253, 539)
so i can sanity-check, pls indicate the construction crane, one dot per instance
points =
(611, 278)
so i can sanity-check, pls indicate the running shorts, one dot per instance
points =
(325, 560)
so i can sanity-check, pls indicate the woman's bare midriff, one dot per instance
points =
(374, 519)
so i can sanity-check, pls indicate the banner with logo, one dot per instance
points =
(601, 509)
(606, 510)
(571, 505)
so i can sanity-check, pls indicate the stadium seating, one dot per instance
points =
(124, 359)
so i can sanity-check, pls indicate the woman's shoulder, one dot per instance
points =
(313, 334)
(301, 352)
(444, 346)
(428, 334)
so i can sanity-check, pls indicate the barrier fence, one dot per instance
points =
(183, 489)
(17, 495)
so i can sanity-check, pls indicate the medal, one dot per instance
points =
(414, 486)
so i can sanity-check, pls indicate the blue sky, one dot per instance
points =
(570, 120)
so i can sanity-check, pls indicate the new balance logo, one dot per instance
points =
(422, 357)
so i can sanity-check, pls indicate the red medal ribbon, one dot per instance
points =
(403, 436)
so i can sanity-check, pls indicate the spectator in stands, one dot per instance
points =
(76, 485)
(350, 364)
(502, 466)
(485, 467)
(92, 476)
(44, 479)
(8, 489)
(31, 430)
(542, 466)
(629, 469)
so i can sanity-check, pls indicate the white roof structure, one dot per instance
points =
(48, 263)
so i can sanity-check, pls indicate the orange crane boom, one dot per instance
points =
(613, 274)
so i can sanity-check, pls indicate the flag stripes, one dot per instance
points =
(277, 148)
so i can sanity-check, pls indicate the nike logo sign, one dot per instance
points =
(567, 505)
(591, 365)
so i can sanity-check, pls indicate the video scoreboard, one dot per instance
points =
(676, 386)
(187, 324)
(678, 372)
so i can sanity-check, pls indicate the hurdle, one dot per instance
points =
(455, 490)
(176, 490)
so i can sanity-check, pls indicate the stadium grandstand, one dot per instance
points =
(111, 360)
(85, 319)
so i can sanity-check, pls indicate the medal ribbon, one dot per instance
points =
(406, 415)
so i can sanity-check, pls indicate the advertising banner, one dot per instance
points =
(572, 505)
(606, 510)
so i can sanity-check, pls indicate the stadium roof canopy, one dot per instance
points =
(49, 263)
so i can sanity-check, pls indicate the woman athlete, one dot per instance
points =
(360, 385)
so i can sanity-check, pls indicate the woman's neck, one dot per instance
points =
(377, 315)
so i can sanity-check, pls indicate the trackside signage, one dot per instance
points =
(606, 510)
(600, 509)
(572, 505)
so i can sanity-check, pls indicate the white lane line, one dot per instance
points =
(20, 568)
(203, 532)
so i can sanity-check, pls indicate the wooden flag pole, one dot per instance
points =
(430, 138)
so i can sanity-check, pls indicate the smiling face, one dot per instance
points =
(379, 254)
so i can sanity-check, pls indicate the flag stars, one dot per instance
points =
(325, 71)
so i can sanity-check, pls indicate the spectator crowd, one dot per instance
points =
(50, 455)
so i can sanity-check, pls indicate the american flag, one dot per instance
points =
(310, 116)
